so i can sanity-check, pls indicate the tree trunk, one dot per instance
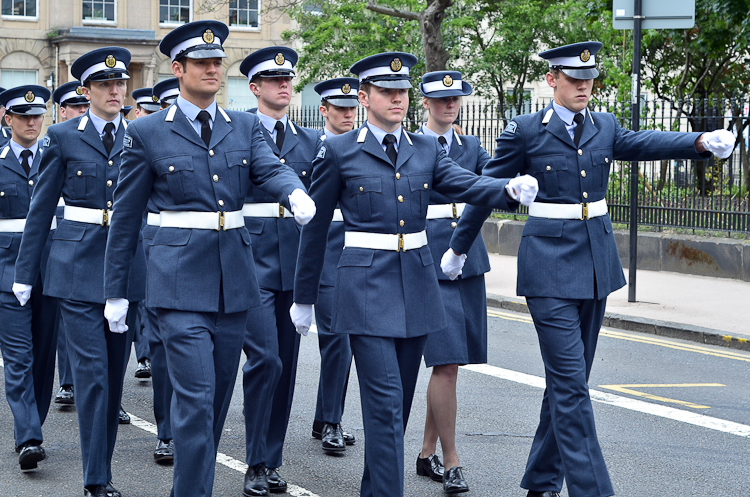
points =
(430, 24)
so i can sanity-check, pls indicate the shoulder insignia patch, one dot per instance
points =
(127, 141)
(46, 140)
(321, 153)
(511, 128)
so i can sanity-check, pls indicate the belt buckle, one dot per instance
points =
(221, 222)
(281, 211)
(400, 243)
(455, 210)
(105, 218)
(584, 211)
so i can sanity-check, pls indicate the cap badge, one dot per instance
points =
(79, 91)
(346, 89)
(447, 80)
(154, 98)
(396, 65)
(585, 55)
(279, 59)
(29, 97)
(110, 61)
(208, 36)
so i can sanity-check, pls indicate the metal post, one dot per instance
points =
(635, 109)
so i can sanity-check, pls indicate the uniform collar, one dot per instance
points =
(191, 110)
(99, 123)
(328, 133)
(566, 114)
(379, 134)
(448, 135)
(269, 122)
(17, 149)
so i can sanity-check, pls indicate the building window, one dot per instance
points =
(239, 95)
(175, 11)
(244, 13)
(20, 8)
(10, 78)
(99, 10)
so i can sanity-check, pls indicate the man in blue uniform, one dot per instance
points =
(194, 163)
(80, 162)
(28, 336)
(271, 367)
(386, 296)
(339, 102)
(568, 261)
(69, 96)
(166, 92)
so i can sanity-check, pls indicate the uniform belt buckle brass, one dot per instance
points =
(105, 218)
(584, 211)
(281, 210)
(221, 222)
(455, 210)
(400, 243)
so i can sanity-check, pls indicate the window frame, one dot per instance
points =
(35, 71)
(99, 22)
(169, 24)
(239, 27)
(11, 17)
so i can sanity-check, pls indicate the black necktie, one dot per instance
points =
(25, 161)
(442, 141)
(390, 147)
(205, 118)
(109, 138)
(279, 127)
(578, 119)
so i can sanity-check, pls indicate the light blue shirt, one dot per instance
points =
(567, 117)
(448, 135)
(191, 112)
(328, 133)
(379, 134)
(99, 124)
(270, 122)
(17, 149)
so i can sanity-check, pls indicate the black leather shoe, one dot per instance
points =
(430, 466)
(124, 418)
(30, 455)
(112, 491)
(317, 432)
(255, 481)
(275, 484)
(65, 396)
(454, 482)
(143, 370)
(548, 493)
(95, 491)
(333, 439)
(164, 453)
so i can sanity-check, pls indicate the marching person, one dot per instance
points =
(5, 133)
(28, 338)
(269, 373)
(69, 96)
(166, 92)
(386, 296)
(464, 340)
(568, 261)
(339, 102)
(80, 162)
(194, 163)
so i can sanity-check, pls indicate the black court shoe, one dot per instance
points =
(164, 452)
(30, 454)
(548, 493)
(143, 370)
(65, 396)
(333, 439)
(430, 466)
(255, 481)
(454, 481)
(123, 417)
(317, 432)
(275, 484)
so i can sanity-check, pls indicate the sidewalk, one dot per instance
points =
(698, 308)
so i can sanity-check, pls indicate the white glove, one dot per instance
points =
(719, 142)
(22, 292)
(523, 189)
(302, 206)
(452, 264)
(301, 315)
(116, 311)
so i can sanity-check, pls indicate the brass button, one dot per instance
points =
(453, 224)
(31, 182)
(606, 159)
(583, 173)
(216, 178)
(244, 161)
(304, 173)
(398, 175)
(79, 173)
(2, 194)
(549, 168)
(171, 168)
(361, 189)
(110, 163)
(401, 223)
(580, 152)
(283, 161)
(210, 153)
(109, 203)
(109, 182)
(400, 198)
(221, 203)
(425, 186)
(585, 195)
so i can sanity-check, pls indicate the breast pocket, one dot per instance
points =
(239, 172)
(8, 195)
(369, 197)
(601, 160)
(550, 172)
(303, 170)
(81, 180)
(420, 186)
(178, 171)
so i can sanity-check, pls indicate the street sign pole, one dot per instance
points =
(635, 110)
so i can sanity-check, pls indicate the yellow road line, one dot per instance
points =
(628, 389)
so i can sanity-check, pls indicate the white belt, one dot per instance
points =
(337, 216)
(384, 241)
(568, 211)
(202, 220)
(17, 225)
(153, 219)
(87, 215)
(272, 209)
(445, 211)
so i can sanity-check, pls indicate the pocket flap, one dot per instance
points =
(78, 168)
(254, 225)
(599, 157)
(6, 239)
(356, 257)
(543, 227)
(174, 164)
(549, 163)
(238, 158)
(8, 190)
(69, 232)
(246, 237)
(420, 182)
(426, 255)
(172, 236)
(359, 186)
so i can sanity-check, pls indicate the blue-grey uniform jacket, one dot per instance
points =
(467, 152)
(334, 248)
(166, 161)
(5, 136)
(276, 240)
(562, 257)
(382, 292)
(15, 195)
(75, 166)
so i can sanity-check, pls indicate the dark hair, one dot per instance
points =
(365, 87)
(555, 72)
